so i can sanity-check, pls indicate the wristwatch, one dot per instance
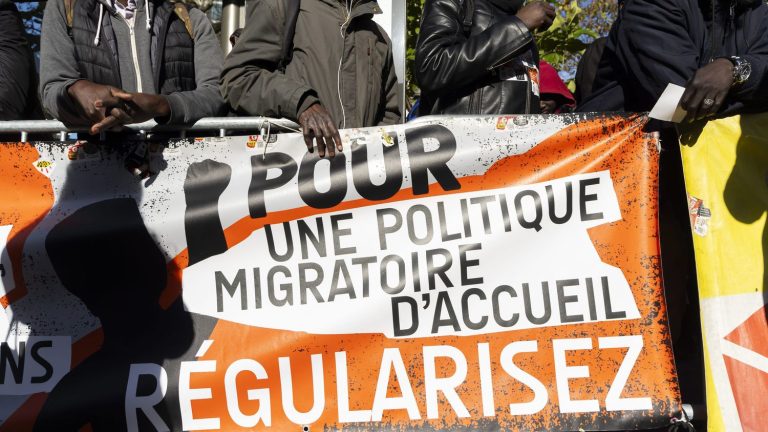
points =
(741, 69)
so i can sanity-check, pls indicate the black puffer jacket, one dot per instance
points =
(486, 70)
(657, 42)
(17, 68)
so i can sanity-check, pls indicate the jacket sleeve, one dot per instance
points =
(754, 92)
(392, 114)
(205, 101)
(250, 81)
(653, 48)
(58, 69)
(445, 58)
(15, 70)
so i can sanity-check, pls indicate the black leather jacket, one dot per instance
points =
(462, 73)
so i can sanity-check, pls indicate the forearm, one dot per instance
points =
(257, 91)
(250, 81)
(58, 70)
(190, 106)
(391, 103)
(754, 91)
(206, 100)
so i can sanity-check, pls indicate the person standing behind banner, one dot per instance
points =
(555, 96)
(109, 63)
(479, 56)
(718, 50)
(586, 70)
(327, 65)
(18, 79)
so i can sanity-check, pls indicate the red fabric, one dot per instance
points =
(551, 84)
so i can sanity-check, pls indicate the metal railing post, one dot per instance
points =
(231, 11)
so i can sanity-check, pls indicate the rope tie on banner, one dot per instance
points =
(137, 161)
(287, 127)
(266, 133)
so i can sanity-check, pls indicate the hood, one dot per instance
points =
(550, 83)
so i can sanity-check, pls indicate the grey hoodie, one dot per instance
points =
(58, 68)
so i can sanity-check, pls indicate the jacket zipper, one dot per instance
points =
(134, 54)
(471, 104)
(509, 56)
(731, 18)
(503, 60)
(478, 102)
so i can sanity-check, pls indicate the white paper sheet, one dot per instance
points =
(668, 108)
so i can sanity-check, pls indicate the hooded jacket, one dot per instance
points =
(156, 56)
(17, 68)
(654, 43)
(341, 58)
(491, 69)
(553, 88)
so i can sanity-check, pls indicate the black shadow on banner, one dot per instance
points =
(746, 190)
(104, 255)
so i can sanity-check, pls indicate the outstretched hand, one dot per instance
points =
(126, 108)
(316, 124)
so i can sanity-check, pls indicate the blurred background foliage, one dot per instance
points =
(32, 15)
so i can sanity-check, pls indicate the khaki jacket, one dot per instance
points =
(344, 61)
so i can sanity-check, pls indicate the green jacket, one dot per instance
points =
(364, 78)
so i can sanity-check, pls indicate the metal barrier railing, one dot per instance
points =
(222, 124)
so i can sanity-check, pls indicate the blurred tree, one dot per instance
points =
(578, 23)
(413, 10)
(32, 15)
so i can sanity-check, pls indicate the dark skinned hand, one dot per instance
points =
(85, 93)
(537, 15)
(126, 108)
(316, 124)
(712, 81)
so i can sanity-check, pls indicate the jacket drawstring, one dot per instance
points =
(97, 38)
(148, 15)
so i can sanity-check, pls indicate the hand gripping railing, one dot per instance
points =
(222, 124)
